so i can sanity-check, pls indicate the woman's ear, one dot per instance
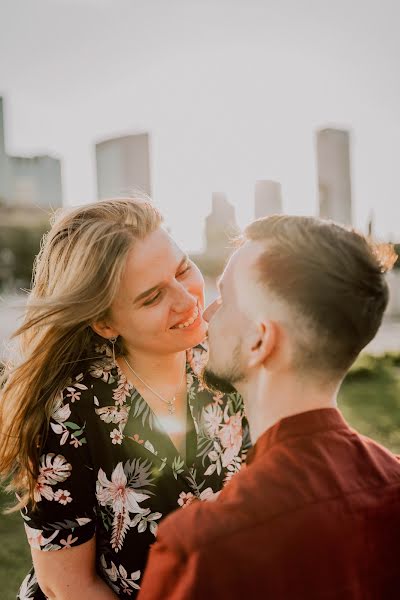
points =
(103, 329)
(264, 343)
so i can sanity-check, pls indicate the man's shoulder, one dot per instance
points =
(246, 501)
(199, 525)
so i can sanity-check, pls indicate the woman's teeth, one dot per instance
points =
(190, 321)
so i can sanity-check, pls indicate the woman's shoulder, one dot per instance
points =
(96, 377)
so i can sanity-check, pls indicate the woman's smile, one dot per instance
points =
(192, 322)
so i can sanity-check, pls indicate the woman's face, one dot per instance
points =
(160, 302)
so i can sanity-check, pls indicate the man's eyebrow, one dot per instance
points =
(155, 287)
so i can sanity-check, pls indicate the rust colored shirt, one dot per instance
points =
(315, 515)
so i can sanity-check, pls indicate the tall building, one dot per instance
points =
(220, 226)
(123, 164)
(28, 181)
(267, 198)
(334, 178)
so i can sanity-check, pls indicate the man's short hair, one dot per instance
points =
(332, 278)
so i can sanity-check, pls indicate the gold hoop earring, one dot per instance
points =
(113, 340)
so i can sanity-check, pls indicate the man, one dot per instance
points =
(315, 514)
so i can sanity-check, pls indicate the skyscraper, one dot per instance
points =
(334, 178)
(220, 226)
(267, 198)
(123, 164)
(28, 180)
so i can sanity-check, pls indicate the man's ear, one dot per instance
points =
(103, 329)
(263, 343)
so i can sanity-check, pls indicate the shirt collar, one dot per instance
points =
(302, 424)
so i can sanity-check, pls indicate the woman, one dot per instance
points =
(105, 427)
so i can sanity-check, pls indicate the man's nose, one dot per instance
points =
(210, 311)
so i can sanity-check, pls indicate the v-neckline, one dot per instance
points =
(190, 424)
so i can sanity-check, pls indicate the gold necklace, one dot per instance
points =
(169, 403)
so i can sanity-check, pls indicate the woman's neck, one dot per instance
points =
(161, 370)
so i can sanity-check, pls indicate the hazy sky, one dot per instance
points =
(230, 90)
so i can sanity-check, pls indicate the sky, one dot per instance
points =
(231, 91)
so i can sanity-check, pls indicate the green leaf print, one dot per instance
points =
(142, 408)
(235, 403)
(71, 425)
(177, 466)
(204, 447)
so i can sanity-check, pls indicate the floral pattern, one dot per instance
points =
(110, 468)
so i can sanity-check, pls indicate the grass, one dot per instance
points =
(369, 399)
(15, 557)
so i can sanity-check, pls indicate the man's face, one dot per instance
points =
(229, 324)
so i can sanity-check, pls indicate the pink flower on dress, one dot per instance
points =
(69, 541)
(42, 491)
(231, 436)
(73, 394)
(63, 497)
(75, 442)
(198, 360)
(208, 495)
(122, 498)
(185, 499)
(218, 398)
(116, 436)
(117, 493)
(123, 391)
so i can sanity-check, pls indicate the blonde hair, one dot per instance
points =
(76, 277)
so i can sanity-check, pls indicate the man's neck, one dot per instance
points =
(270, 398)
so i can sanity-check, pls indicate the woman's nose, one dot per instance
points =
(184, 300)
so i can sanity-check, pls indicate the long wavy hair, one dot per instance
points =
(75, 280)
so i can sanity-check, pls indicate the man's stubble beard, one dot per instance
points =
(224, 382)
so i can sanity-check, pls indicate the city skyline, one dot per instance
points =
(230, 94)
(123, 166)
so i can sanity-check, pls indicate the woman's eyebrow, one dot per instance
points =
(155, 287)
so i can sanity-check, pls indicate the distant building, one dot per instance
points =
(28, 181)
(220, 228)
(334, 178)
(267, 198)
(123, 164)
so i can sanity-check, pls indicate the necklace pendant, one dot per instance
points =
(171, 407)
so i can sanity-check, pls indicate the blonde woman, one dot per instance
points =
(105, 427)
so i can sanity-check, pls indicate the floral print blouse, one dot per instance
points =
(110, 469)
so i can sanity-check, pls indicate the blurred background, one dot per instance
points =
(222, 111)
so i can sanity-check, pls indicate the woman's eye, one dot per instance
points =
(185, 270)
(153, 299)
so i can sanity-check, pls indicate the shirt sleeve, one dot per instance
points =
(168, 576)
(63, 515)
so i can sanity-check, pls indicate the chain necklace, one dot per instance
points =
(169, 403)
